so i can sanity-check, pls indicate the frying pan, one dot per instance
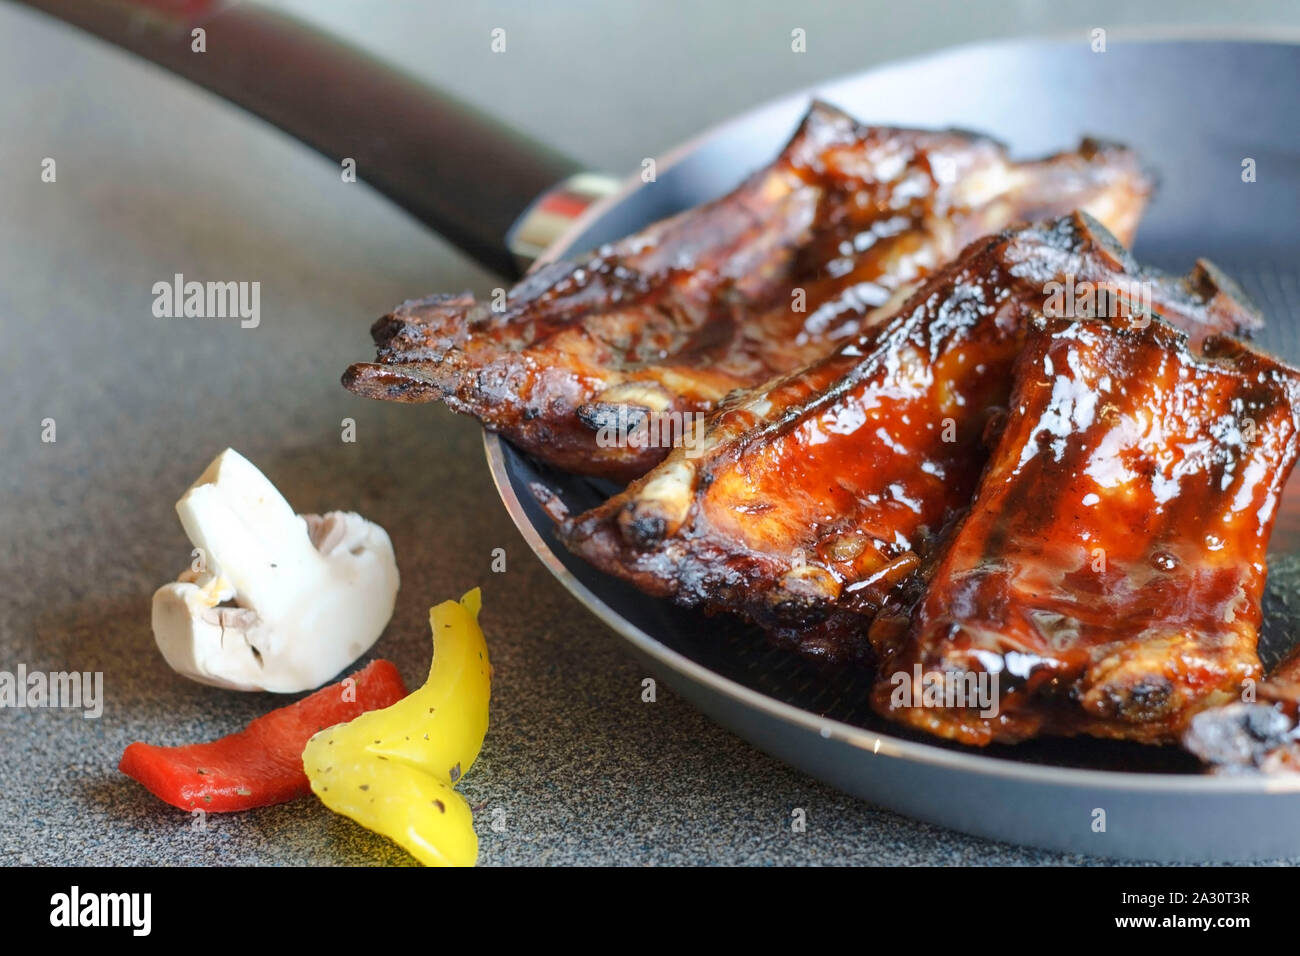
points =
(1197, 109)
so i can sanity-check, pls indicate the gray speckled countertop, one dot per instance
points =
(154, 178)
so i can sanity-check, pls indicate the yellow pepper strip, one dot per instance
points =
(392, 770)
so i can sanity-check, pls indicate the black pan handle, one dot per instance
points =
(463, 173)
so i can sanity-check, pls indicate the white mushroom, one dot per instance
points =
(285, 601)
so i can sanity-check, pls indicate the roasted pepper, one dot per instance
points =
(261, 764)
(393, 770)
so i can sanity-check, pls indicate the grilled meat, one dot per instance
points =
(1109, 573)
(811, 498)
(663, 324)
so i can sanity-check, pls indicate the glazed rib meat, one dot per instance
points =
(811, 498)
(665, 323)
(1109, 573)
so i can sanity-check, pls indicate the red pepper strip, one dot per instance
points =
(261, 764)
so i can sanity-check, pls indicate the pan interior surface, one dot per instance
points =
(1196, 111)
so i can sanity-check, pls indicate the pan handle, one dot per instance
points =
(498, 195)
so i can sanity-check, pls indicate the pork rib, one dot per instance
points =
(1109, 573)
(799, 258)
